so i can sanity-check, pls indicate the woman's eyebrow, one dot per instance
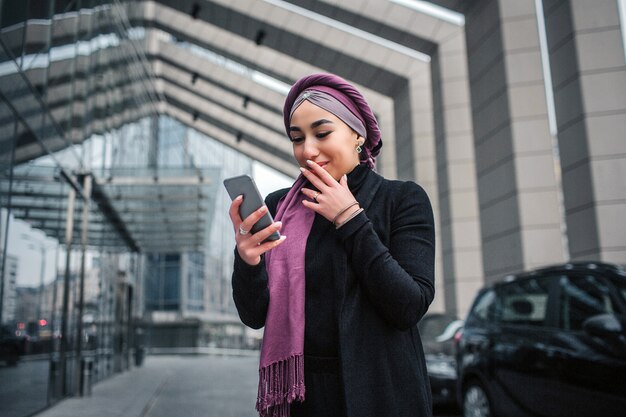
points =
(313, 125)
(319, 122)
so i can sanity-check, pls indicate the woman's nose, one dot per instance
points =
(310, 148)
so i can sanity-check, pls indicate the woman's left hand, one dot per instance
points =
(332, 197)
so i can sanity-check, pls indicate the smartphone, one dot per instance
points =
(252, 201)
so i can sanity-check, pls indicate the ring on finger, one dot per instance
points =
(315, 196)
(243, 231)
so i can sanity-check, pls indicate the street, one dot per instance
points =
(166, 386)
(205, 386)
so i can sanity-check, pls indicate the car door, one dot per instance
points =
(591, 378)
(522, 362)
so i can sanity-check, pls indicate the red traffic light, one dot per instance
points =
(43, 322)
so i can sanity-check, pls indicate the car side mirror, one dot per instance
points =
(603, 326)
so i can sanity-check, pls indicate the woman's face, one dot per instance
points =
(320, 136)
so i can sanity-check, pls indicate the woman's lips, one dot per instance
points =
(322, 164)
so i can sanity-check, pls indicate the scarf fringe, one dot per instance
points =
(280, 383)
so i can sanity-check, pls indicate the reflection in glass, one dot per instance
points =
(78, 98)
(13, 17)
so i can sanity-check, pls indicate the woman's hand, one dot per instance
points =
(333, 196)
(249, 245)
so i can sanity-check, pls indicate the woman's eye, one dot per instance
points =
(322, 135)
(296, 140)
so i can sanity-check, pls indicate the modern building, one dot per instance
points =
(119, 120)
(10, 288)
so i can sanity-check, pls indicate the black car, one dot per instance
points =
(438, 333)
(551, 342)
(11, 346)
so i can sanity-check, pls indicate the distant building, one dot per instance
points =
(174, 282)
(10, 290)
(192, 290)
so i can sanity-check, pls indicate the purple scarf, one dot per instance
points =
(281, 371)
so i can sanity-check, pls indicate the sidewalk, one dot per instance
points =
(170, 386)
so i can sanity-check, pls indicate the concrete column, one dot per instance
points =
(589, 78)
(517, 185)
(456, 171)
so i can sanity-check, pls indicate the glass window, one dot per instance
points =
(13, 16)
(619, 282)
(7, 134)
(525, 302)
(162, 282)
(13, 12)
(484, 307)
(172, 258)
(583, 297)
(39, 10)
(63, 6)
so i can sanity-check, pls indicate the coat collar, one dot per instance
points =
(364, 184)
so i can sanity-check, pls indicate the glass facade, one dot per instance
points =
(112, 213)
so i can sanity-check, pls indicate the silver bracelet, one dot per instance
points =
(343, 210)
(352, 216)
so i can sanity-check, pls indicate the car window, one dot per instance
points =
(484, 307)
(583, 297)
(431, 327)
(525, 302)
(620, 283)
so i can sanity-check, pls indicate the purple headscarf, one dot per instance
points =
(347, 95)
(329, 103)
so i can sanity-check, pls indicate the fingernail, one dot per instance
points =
(239, 197)
(345, 177)
(279, 224)
(263, 209)
(302, 169)
(308, 161)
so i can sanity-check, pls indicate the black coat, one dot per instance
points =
(386, 256)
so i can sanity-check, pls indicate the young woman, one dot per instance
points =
(341, 293)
